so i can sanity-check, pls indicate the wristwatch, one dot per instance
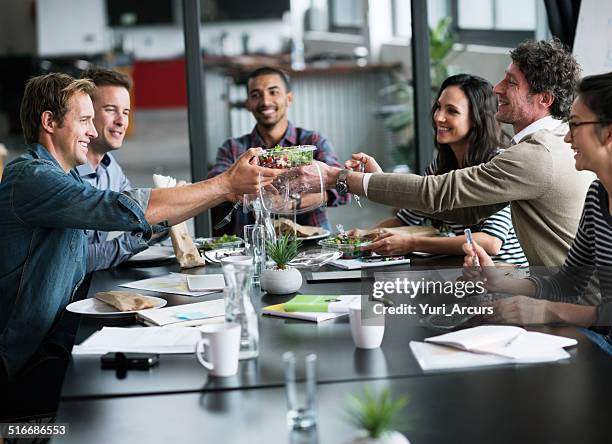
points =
(341, 185)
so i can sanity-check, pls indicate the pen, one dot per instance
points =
(470, 241)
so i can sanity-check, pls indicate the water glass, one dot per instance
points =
(239, 307)
(255, 240)
(301, 393)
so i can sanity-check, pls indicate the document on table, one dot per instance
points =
(173, 283)
(163, 340)
(358, 264)
(440, 357)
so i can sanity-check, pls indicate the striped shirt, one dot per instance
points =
(589, 258)
(498, 225)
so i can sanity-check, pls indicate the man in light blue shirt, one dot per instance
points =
(45, 208)
(111, 101)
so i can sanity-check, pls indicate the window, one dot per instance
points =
(494, 22)
(402, 26)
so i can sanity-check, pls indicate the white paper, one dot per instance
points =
(439, 357)
(206, 282)
(214, 311)
(173, 283)
(356, 264)
(163, 340)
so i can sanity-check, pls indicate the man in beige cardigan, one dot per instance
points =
(536, 175)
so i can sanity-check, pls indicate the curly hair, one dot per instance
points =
(550, 67)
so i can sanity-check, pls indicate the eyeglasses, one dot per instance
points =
(574, 125)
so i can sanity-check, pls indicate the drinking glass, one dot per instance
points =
(301, 393)
(255, 240)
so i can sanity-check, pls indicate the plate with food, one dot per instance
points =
(302, 232)
(350, 246)
(227, 241)
(115, 304)
(283, 158)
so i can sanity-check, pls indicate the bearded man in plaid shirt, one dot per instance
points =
(269, 97)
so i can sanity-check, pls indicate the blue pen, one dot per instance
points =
(470, 241)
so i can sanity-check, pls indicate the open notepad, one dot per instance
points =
(186, 315)
(506, 341)
(489, 345)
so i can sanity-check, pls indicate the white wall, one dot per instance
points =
(71, 27)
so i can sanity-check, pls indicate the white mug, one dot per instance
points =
(366, 336)
(221, 343)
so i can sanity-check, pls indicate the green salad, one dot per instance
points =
(225, 241)
(287, 157)
(349, 245)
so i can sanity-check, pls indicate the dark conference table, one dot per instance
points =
(559, 402)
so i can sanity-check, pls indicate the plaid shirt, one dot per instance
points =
(231, 149)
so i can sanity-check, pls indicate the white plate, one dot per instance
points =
(215, 256)
(94, 307)
(323, 235)
(154, 253)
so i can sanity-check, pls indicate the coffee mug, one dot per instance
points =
(366, 334)
(220, 343)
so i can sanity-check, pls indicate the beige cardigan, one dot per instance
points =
(537, 176)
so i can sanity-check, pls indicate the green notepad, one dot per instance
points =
(321, 303)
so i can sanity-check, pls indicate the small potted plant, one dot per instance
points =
(375, 416)
(283, 278)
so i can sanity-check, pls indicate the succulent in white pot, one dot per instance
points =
(374, 416)
(282, 278)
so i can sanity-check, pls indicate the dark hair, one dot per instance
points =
(267, 70)
(107, 77)
(484, 139)
(596, 93)
(50, 92)
(550, 67)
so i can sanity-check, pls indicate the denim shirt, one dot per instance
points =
(103, 253)
(44, 212)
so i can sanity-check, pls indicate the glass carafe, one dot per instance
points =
(239, 307)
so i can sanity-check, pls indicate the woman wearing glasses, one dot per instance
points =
(562, 296)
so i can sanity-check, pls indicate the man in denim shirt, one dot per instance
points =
(45, 209)
(111, 101)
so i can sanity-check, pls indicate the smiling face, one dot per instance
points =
(112, 112)
(71, 138)
(452, 117)
(268, 100)
(591, 142)
(516, 105)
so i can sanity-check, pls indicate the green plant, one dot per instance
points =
(283, 250)
(375, 414)
(441, 40)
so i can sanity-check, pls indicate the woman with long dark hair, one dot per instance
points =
(465, 134)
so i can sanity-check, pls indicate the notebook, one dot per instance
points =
(439, 357)
(278, 310)
(198, 313)
(321, 303)
(503, 340)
